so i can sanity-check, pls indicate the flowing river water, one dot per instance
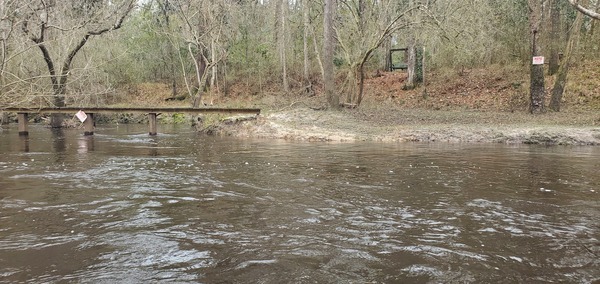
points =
(121, 206)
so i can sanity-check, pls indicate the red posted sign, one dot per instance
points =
(538, 60)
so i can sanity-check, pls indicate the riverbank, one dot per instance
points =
(487, 105)
(474, 106)
(412, 125)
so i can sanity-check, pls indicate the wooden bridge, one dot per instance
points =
(88, 123)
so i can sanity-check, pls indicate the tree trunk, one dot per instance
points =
(361, 83)
(317, 52)
(387, 58)
(553, 60)
(349, 87)
(591, 43)
(360, 72)
(213, 69)
(60, 83)
(170, 48)
(418, 78)
(306, 23)
(411, 62)
(561, 80)
(411, 56)
(328, 71)
(537, 87)
(282, 37)
(536, 91)
(4, 31)
(56, 119)
(200, 64)
(3, 47)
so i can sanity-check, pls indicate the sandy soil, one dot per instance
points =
(475, 106)
(400, 125)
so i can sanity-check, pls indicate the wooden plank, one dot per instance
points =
(133, 110)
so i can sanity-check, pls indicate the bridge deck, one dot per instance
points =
(132, 110)
(91, 111)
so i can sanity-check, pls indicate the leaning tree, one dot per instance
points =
(563, 70)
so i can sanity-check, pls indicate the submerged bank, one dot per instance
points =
(306, 124)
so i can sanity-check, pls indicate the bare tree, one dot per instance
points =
(537, 91)
(561, 79)
(411, 60)
(166, 8)
(10, 50)
(328, 51)
(553, 60)
(305, 51)
(204, 24)
(411, 52)
(364, 28)
(6, 28)
(283, 8)
(44, 21)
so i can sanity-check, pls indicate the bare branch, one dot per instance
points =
(585, 11)
(67, 64)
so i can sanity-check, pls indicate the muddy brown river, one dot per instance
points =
(124, 207)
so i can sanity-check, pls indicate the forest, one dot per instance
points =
(200, 52)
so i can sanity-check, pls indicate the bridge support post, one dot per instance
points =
(23, 117)
(152, 123)
(88, 125)
(4, 118)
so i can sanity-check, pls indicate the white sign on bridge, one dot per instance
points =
(81, 115)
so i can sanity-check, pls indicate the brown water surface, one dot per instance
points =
(125, 207)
